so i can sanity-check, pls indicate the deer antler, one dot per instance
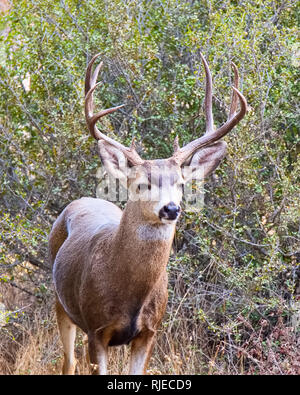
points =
(211, 135)
(91, 118)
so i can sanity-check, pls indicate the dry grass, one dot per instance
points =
(30, 343)
(37, 350)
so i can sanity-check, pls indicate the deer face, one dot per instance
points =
(157, 186)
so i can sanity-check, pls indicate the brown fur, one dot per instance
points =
(88, 257)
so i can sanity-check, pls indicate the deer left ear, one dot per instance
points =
(204, 161)
(114, 161)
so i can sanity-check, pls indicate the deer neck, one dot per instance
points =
(142, 248)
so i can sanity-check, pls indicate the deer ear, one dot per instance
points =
(114, 161)
(204, 161)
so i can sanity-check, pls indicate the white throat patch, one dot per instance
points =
(147, 232)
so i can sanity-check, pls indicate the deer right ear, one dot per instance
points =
(114, 161)
(204, 161)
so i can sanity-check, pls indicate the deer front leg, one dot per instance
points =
(141, 350)
(97, 353)
(67, 331)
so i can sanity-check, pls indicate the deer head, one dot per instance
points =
(156, 185)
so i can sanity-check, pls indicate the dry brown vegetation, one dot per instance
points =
(30, 343)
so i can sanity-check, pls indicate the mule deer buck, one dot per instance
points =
(109, 266)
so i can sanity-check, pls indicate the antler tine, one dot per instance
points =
(208, 97)
(211, 135)
(91, 118)
(90, 78)
(234, 99)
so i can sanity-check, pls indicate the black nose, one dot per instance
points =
(169, 211)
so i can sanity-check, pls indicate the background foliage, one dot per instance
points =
(234, 274)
